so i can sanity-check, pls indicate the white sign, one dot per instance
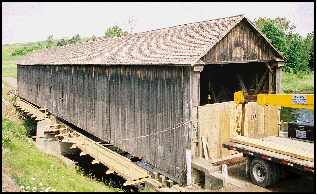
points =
(299, 99)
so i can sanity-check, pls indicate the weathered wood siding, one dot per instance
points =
(128, 106)
(241, 44)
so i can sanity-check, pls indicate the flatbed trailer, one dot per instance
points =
(269, 157)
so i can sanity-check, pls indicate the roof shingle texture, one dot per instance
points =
(179, 45)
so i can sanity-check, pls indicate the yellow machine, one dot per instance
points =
(285, 100)
(269, 157)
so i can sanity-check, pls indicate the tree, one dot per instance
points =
(285, 25)
(311, 61)
(308, 46)
(61, 42)
(294, 55)
(273, 32)
(74, 39)
(93, 38)
(77, 38)
(297, 50)
(115, 31)
(49, 41)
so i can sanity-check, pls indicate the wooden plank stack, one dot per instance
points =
(221, 121)
(281, 146)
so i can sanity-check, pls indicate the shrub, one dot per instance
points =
(26, 49)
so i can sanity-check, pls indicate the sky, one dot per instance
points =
(27, 22)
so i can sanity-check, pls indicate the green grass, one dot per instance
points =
(9, 68)
(37, 171)
(298, 83)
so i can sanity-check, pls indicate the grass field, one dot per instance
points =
(298, 83)
(9, 68)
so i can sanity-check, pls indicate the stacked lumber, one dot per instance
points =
(221, 121)
(280, 147)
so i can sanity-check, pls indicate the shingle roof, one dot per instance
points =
(183, 45)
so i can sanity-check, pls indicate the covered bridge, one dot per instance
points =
(141, 91)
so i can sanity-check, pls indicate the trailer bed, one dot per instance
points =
(286, 151)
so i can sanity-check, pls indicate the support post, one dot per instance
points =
(195, 98)
(189, 167)
(271, 76)
(224, 170)
(279, 73)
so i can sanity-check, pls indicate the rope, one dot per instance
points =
(178, 125)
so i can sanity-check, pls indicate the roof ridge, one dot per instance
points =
(102, 38)
(187, 24)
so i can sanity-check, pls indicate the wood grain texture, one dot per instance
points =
(310, 164)
(221, 121)
(280, 146)
(121, 105)
(242, 44)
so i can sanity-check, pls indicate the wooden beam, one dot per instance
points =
(134, 182)
(74, 146)
(95, 162)
(290, 159)
(189, 167)
(242, 85)
(204, 166)
(205, 147)
(260, 84)
(195, 101)
(278, 82)
(198, 68)
(109, 171)
(153, 183)
(228, 159)
(163, 180)
(273, 147)
(268, 67)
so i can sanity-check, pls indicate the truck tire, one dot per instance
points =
(276, 173)
(263, 173)
(247, 167)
